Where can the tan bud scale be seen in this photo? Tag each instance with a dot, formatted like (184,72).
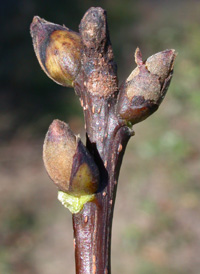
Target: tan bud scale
(68,162)
(146,86)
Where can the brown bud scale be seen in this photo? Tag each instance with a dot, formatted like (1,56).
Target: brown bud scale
(58,50)
(58,151)
(85,174)
(146,86)
(68,162)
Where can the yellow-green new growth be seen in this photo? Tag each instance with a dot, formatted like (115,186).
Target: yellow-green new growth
(73,203)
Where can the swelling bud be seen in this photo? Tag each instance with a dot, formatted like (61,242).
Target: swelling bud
(68,162)
(58,50)
(145,88)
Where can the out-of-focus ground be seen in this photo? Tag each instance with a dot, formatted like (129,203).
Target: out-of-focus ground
(157,216)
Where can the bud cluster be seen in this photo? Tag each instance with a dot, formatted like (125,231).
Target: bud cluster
(86,62)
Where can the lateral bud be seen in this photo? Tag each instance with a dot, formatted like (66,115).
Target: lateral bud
(145,88)
(58,50)
(68,162)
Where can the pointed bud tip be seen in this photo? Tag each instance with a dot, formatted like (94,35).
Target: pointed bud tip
(36,26)
(57,126)
(138,57)
(161,63)
(37,20)
(59,129)
(168,54)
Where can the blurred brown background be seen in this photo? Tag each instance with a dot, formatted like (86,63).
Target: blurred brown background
(157,216)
